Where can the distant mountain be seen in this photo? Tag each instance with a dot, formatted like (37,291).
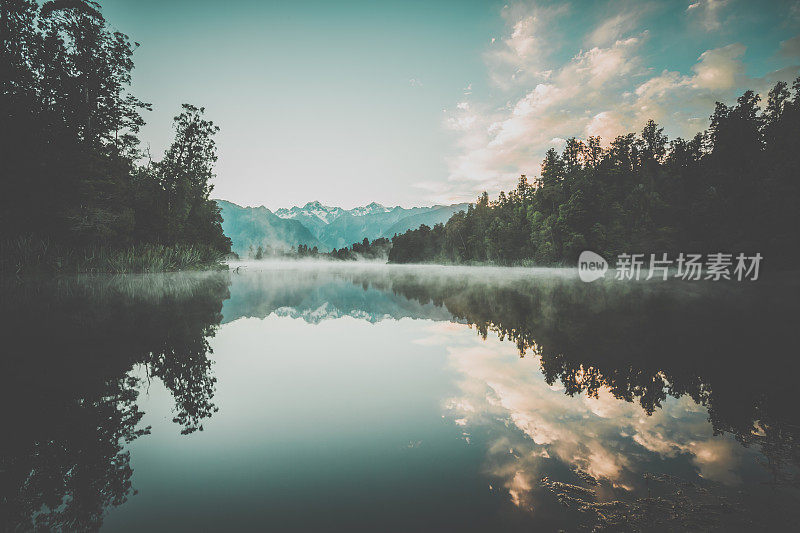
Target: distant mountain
(435,215)
(379,221)
(310,211)
(325,227)
(258,226)
(370,209)
(326,214)
(347,229)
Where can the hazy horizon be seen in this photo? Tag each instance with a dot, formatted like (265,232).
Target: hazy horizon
(303,204)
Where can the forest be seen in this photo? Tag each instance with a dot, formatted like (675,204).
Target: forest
(79,192)
(377,249)
(732,188)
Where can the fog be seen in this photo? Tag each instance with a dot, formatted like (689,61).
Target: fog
(383,268)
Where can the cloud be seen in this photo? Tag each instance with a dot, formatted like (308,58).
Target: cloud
(794,12)
(790,48)
(606,125)
(542,92)
(618,25)
(522,54)
(708,12)
(720,69)
(495,145)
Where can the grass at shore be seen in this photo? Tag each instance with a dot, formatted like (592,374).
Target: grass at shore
(27,256)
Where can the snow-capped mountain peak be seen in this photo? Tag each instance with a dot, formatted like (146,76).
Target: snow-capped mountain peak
(316,209)
(316,204)
(316,224)
(374,207)
(328,214)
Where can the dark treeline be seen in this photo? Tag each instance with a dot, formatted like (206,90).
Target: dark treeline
(71,159)
(366,249)
(733,188)
(376,249)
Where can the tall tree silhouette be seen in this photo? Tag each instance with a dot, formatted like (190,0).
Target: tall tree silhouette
(732,188)
(70,151)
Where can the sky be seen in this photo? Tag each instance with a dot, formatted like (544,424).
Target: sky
(422,102)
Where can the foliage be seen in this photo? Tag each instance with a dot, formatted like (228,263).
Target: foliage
(26,256)
(376,249)
(732,188)
(366,249)
(69,141)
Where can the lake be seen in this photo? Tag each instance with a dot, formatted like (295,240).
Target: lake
(364,397)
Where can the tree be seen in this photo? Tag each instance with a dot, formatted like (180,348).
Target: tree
(185,174)
(733,187)
(69,141)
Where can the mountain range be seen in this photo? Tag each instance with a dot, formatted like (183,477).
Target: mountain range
(323,226)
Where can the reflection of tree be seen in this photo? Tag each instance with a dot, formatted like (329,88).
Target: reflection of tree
(187,375)
(181,361)
(69,399)
(68,458)
(726,346)
(680,506)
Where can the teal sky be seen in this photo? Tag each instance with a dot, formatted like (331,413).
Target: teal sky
(416,102)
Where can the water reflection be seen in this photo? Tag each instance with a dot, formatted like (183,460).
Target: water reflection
(69,399)
(601,406)
(684,354)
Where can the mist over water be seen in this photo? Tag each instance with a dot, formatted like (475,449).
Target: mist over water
(360,396)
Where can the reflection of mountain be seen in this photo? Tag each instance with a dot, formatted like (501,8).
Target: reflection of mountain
(317,296)
(69,401)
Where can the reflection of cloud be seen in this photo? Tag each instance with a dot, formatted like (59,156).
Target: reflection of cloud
(441,333)
(611,440)
(715,459)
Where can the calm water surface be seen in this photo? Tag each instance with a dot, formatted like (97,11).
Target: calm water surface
(304,397)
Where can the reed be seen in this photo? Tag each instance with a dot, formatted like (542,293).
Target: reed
(26,255)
